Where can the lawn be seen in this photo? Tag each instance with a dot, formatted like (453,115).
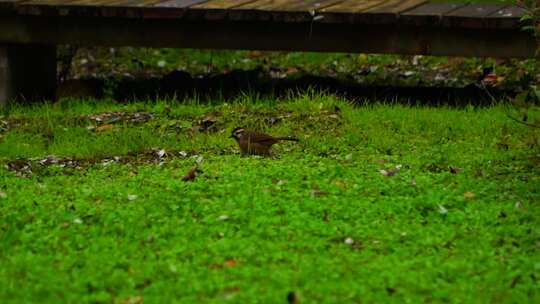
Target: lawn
(94,209)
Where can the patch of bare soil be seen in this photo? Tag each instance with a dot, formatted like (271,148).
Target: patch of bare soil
(26,167)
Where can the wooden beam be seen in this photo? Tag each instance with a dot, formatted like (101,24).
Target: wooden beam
(320,37)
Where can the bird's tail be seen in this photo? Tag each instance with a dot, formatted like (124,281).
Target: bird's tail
(287,138)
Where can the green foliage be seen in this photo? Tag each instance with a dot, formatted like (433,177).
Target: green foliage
(457,223)
(532,18)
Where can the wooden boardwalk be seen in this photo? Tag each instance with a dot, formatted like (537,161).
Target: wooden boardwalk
(371,26)
(30,30)
(401,12)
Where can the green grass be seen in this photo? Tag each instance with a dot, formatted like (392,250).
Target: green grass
(251,229)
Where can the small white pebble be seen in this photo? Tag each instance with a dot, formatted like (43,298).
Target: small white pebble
(132,197)
(349,241)
(77,221)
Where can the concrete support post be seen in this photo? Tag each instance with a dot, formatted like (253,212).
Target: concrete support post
(27,73)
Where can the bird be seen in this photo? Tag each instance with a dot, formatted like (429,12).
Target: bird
(255,143)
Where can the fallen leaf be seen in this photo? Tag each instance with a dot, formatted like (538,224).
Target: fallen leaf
(133,300)
(230,263)
(442,209)
(317,192)
(468,194)
(192,174)
(349,241)
(132,197)
(407,73)
(390,172)
(104,128)
(230,292)
(204,124)
(340,184)
(223,217)
(49,160)
(3,195)
(161,153)
(454,170)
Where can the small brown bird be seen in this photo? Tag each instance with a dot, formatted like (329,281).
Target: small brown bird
(255,143)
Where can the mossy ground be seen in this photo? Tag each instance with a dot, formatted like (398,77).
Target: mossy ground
(458,223)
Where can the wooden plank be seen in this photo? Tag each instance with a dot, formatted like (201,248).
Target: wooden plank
(280,11)
(395,6)
(471,16)
(117,3)
(8,5)
(433,9)
(506,18)
(259,4)
(353,6)
(388,12)
(179,3)
(290,5)
(108,8)
(348,11)
(429,14)
(369,11)
(221,4)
